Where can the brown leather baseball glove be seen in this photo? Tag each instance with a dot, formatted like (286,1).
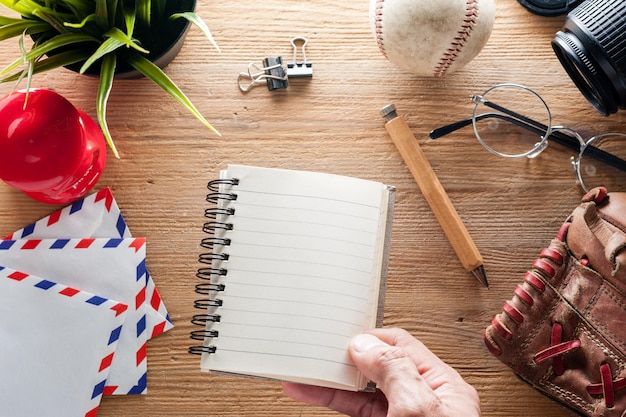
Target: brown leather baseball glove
(564,330)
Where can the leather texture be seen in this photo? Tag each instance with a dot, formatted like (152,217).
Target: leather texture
(564,330)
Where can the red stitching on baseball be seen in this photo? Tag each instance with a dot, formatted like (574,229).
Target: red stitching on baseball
(471,15)
(378,17)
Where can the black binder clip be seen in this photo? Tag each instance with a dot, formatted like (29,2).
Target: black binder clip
(273,74)
(297,69)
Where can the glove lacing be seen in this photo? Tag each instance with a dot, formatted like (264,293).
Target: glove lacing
(558,348)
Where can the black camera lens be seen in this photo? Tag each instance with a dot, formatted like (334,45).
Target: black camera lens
(592,49)
(549,7)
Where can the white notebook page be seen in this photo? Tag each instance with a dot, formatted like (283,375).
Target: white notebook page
(303,274)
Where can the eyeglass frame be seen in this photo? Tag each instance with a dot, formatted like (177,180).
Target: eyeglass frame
(573,141)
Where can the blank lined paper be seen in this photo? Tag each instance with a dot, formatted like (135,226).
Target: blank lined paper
(303,274)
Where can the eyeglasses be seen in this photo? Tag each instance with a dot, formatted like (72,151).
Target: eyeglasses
(513,121)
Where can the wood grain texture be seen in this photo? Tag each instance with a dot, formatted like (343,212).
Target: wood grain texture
(512,208)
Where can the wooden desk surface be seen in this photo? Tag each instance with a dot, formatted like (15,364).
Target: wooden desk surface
(331,123)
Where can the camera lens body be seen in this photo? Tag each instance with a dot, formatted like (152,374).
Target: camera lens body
(592,49)
(549,7)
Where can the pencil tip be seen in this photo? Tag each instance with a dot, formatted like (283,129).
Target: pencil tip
(479,273)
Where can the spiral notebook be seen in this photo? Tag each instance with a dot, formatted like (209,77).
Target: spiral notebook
(295,267)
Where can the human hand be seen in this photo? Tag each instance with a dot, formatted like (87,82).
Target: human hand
(412,381)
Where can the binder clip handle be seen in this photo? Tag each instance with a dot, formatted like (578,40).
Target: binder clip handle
(272,73)
(276,76)
(301,69)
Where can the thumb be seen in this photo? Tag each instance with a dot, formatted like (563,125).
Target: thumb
(393,371)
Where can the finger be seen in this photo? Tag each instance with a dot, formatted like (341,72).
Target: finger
(395,372)
(426,362)
(351,403)
(447,385)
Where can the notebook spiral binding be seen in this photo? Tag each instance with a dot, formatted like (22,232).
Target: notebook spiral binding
(208,288)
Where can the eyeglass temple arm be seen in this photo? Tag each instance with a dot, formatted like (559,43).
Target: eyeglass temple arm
(453,127)
(514,118)
(536,127)
(447,129)
(564,139)
(558,137)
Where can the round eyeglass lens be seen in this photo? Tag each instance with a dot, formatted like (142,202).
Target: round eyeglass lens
(512,121)
(610,174)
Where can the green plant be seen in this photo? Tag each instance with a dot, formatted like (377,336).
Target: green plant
(100,37)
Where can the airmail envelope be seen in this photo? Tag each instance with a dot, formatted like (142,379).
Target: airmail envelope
(111,268)
(97,216)
(57,345)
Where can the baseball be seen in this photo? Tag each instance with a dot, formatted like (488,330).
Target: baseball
(431,37)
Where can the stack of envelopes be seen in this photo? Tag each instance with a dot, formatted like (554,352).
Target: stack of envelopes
(77,307)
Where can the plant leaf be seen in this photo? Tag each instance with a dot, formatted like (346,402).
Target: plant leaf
(102,14)
(55,61)
(82,23)
(59,41)
(107,73)
(197,20)
(25,71)
(19,7)
(143,8)
(120,36)
(52,20)
(158,8)
(6,20)
(15,29)
(112,5)
(130,16)
(20,61)
(105,48)
(12,66)
(55,19)
(80,8)
(29,77)
(150,70)
(115,39)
